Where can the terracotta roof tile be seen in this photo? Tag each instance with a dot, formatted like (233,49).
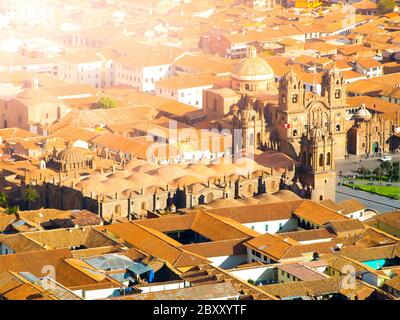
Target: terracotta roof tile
(316,213)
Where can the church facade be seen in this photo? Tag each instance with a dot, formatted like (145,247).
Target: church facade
(314,129)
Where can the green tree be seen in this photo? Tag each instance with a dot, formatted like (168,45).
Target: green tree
(30,196)
(386,167)
(385,6)
(11,210)
(3,200)
(395,174)
(378,171)
(107,103)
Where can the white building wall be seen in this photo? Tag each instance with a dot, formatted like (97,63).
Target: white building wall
(151,75)
(371,72)
(81,144)
(142,78)
(191,96)
(356,215)
(263,273)
(98,74)
(228,262)
(128,75)
(163,287)
(254,256)
(273,226)
(95,294)
(167,93)
(315,241)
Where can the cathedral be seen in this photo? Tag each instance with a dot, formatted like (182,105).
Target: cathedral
(272,114)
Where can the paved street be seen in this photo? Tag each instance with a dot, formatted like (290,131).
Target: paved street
(370,200)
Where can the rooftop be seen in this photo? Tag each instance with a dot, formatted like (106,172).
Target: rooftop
(207,292)
(301,272)
(315,213)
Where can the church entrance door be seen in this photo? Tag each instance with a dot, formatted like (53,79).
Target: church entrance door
(375,147)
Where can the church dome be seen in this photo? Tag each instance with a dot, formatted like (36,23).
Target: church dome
(362,113)
(71,155)
(252,68)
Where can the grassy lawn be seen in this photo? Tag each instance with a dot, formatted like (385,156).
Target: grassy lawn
(386,191)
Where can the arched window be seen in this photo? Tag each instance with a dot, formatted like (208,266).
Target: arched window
(294,98)
(295,133)
(321,160)
(328,159)
(321,198)
(246,86)
(338,127)
(202,199)
(337,94)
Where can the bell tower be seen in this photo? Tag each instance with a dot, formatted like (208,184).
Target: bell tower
(248,126)
(291,92)
(290,112)
(317,164)
(334,87)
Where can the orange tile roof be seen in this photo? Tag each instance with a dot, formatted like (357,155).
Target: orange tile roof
(317,214)
(374,104)
(154,243)
(259,212)
(186,81)
(368,63)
